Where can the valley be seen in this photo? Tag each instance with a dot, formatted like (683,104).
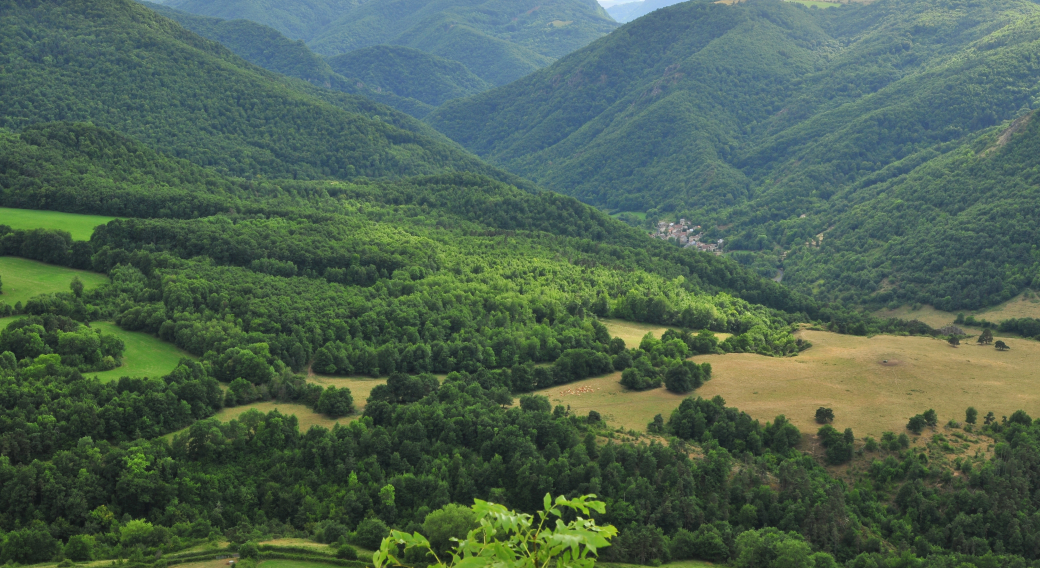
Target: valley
(314,283)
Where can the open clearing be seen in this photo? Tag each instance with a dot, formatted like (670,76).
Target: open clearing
(843,372)
(23,278)
(632,333)
(80,226)
(145,355)
(305,415)
(360,387)
(1025,305)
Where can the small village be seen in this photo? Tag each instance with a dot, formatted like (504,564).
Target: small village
(687,235)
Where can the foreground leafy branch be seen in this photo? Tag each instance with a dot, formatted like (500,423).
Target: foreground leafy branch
(505,538)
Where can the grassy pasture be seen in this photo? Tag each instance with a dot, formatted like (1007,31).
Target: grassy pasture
(24,278)
(633,333)
(845,373)
(305,415)
(1025,305)
(145,355)
(80,226)
(360,387)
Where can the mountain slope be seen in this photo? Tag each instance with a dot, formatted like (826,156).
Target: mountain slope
(85,60)
(699,105)
(958,232)
(268,48)
(410,73)
(498,40)
(629,11)
(298,19)
(767,121)
(653,114)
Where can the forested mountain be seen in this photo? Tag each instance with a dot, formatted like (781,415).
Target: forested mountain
(498,40)
(267,47)
(81,60)
(628,11)
(410,73)
(751,116)
(958,231)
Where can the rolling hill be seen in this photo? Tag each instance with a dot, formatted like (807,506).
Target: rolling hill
(765,120)
(194,99)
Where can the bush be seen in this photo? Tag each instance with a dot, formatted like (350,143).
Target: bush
(370,533)
(634,379)
(346,552)
(677,379)
(916,424)
(449,521)
(335,402)
(249,550)
(824,415)
(80,548)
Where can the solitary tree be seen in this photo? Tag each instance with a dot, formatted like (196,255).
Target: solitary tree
(824,415)
(954,341)
(971,415)
(1001,346)
(986,337)
(76,286)
(916,424)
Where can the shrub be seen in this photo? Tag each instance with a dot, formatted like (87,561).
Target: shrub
(370,533)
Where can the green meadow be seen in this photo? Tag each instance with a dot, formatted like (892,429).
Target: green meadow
(80,226)
(145,355)
(23,278)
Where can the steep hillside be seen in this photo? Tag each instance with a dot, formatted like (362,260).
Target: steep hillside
(410,73)
(959,231)
(653,115)
(258,44)
(82,60)
(498,40)
(297,19)
(764,119)
(268,48)
(629,11)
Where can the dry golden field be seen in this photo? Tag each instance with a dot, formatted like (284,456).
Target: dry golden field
(305,415)
(873,384)
(1025,305)
(360,387)
(633,333)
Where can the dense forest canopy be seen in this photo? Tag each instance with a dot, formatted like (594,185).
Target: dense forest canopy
(498,40)
(76,61)
(769,122)
(273,229)
(268,48)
